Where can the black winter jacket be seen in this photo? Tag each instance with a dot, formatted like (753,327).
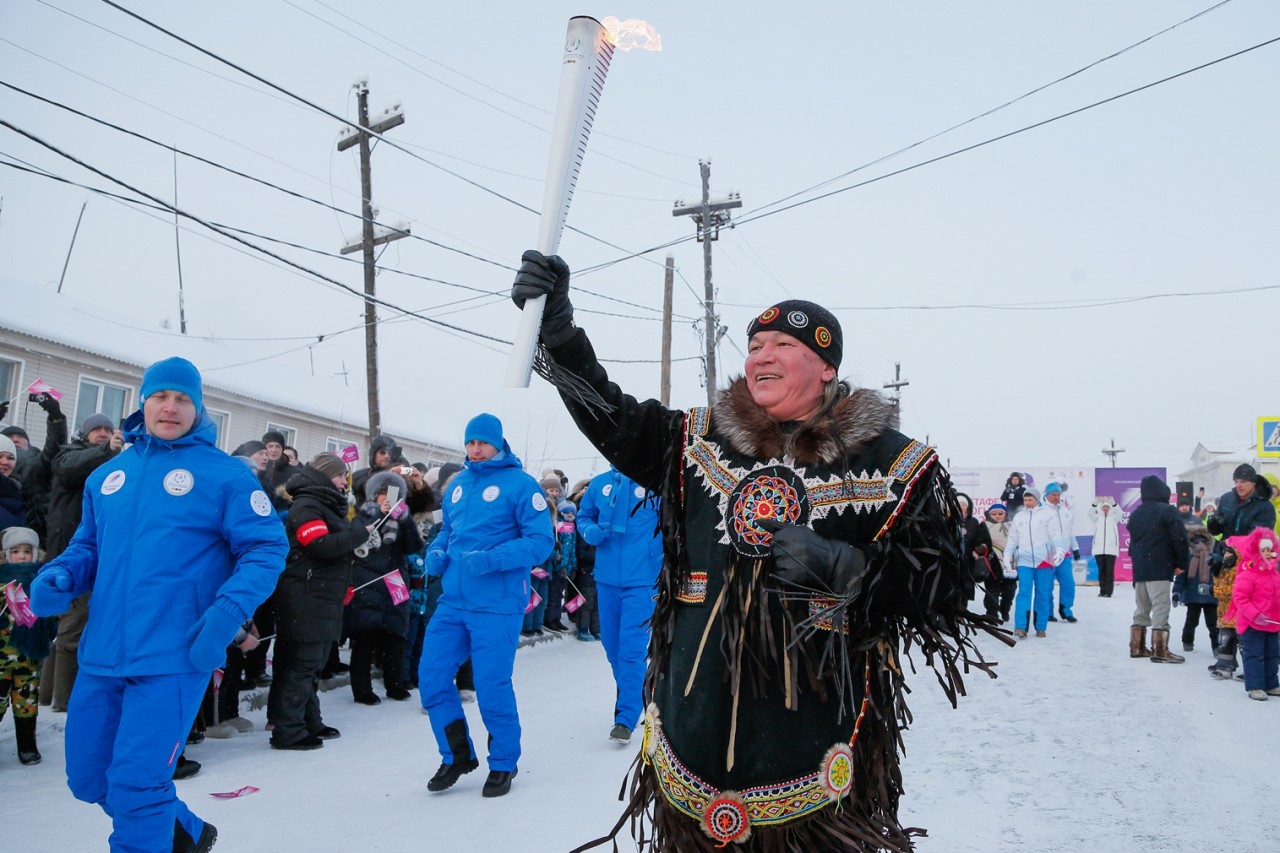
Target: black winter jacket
(1234,518)
(309,596)
(1157,536)
(35,472)
(71,467)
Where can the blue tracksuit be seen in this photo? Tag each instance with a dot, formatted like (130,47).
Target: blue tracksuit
(622,523)
(496,527)
(170,529)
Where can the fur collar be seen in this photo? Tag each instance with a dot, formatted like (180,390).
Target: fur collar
(839,433)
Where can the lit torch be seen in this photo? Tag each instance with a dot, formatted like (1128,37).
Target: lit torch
(588,48)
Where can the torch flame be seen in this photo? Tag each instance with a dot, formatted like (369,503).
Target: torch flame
(631,33)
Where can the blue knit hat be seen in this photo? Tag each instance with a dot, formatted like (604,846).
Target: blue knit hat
(1052,489)
(1000,507)
(484,427)
(174,374)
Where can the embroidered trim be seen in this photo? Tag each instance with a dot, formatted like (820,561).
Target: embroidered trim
(869,494)
(714,473)
(693,590)
(906,493)
(911,456)
(726,819)
(820,612)
(699,421)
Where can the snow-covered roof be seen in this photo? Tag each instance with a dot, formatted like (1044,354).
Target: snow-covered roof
(235,366)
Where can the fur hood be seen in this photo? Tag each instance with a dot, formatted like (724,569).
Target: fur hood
(836,433)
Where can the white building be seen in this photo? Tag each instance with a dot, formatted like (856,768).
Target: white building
(96,359)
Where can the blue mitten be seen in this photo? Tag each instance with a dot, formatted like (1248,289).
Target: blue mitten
(210,636)
(51,591)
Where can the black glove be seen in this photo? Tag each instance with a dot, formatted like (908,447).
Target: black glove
(1075,555)
(4,409)
(51,406)
(804,559)
(1216,524)
(540,275)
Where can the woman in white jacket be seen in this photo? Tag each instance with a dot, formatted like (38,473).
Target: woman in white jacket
(1106,543)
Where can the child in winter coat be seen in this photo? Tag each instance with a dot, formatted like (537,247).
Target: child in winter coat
(1224,579)
(1255,606)
(1194,588)
(22,647)
(587,616)
(377,623)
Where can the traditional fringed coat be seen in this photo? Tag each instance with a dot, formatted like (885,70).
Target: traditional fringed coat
(775,712)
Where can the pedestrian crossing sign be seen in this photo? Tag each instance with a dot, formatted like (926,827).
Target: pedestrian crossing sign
(1269,436)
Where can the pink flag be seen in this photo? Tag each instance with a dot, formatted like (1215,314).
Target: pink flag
(539,572)
(399,509)
(350,453)
(238,792)
(16,599)
(395,585)
(42,387)
(534,601)
(574,603)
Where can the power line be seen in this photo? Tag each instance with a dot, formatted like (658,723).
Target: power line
(355,126)
(757,215)
(991,111)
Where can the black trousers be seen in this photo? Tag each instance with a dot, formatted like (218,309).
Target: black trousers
(390,650)
(255,662)
(293,705)
(1106,574)
(229,688)
(1210,612)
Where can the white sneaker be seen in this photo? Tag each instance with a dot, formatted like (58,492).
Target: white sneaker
(241,724)
(1260,695)
(1274,691)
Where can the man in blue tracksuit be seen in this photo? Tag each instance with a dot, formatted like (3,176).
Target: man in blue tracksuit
(622,521)
(179,545)
(495,528)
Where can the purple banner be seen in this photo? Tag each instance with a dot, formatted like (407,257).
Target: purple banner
(1122,486)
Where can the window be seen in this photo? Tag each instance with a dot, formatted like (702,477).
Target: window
(222,420)
(337,445)
(94,396)
(10,376)
(289,432)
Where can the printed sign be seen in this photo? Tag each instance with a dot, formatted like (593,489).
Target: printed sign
(1269,436)
(16,599)
(350,454)
(395,586)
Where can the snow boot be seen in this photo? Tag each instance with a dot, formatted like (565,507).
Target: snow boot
(24,728)
(1160,652)
(448,774)
(1138,642)
(1260,695)
(1066,617)
(498,783)
(183,842)
(620,734)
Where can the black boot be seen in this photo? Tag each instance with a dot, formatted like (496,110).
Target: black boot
(448,774)
(25,730)
(498,783)
(183,843)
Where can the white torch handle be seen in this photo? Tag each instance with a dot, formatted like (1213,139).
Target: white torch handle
(587,52)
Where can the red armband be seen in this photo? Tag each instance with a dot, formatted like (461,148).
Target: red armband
(311,531)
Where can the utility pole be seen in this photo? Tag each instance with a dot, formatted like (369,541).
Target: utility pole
(897,383)
(667,286)
(65,263)
(393,116)
(709,216)
(1113,452)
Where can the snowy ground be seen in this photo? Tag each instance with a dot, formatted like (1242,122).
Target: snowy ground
(1074,747)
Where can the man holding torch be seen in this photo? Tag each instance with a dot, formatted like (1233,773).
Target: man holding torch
(807,546)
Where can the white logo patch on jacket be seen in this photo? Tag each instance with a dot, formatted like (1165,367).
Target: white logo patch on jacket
(112,484)
(490,493)
(179,481)
(539,502)
(607,489)
(457,494)
(260,502)
(639,492)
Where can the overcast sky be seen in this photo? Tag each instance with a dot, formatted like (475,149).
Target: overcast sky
(1063,243)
